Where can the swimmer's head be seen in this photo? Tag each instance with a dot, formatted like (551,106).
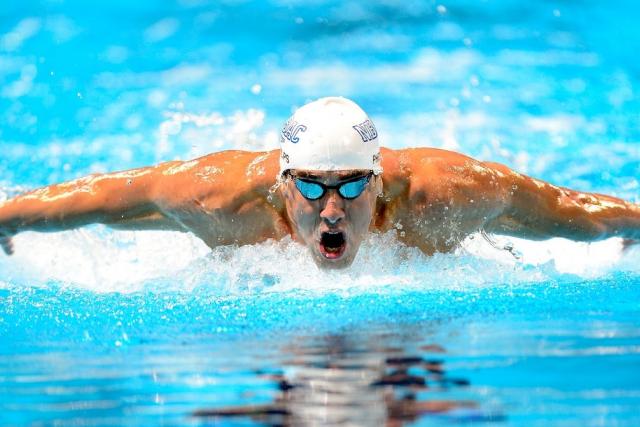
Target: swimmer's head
(330,172)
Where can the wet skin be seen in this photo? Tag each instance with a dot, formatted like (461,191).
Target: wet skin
(432,198)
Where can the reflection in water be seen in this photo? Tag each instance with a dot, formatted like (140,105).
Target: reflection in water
(335,382)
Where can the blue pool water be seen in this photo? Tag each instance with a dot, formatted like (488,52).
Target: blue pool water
(136,328)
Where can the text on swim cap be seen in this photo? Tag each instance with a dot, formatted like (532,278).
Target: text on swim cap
(290,131)
(284,156)
(366,130)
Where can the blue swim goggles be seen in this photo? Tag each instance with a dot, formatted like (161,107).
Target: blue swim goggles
(314,190)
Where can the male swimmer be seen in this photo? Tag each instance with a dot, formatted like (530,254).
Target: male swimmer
(334,185)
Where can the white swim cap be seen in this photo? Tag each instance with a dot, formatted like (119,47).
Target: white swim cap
(330,134)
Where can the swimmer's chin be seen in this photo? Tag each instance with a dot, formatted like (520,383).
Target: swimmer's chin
(325,264)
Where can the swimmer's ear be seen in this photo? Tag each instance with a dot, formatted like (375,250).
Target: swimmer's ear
(377,185)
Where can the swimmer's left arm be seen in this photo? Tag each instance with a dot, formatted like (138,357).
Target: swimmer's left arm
(535,209)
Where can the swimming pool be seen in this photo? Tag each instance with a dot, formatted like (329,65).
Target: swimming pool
(100,327)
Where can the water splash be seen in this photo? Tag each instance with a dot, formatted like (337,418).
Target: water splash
(102,260)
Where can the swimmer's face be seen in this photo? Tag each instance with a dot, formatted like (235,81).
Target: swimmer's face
(332,227)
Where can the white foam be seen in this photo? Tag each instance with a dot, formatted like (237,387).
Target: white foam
(102,260)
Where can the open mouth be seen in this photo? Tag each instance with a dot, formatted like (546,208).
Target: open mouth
(332,244)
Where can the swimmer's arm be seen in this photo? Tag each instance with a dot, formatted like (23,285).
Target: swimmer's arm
(124,200)
(537,210)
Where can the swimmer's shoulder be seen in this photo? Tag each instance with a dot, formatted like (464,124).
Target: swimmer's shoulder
(224,166)
(218,178)
(425,162)
(424,155)
(432,172)
(252,166)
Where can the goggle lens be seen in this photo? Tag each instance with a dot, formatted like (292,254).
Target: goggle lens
(352,189)
(314,190)
(310,190)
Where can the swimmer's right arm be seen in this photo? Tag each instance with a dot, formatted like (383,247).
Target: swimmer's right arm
(124,200)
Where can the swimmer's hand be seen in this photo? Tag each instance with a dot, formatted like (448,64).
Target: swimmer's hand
(628,244)
(6,243)
(6,234)
(7,230)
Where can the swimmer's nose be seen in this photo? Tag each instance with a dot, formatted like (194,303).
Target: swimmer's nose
(333,211)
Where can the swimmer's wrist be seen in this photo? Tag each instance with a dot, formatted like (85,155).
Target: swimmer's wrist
(10,223)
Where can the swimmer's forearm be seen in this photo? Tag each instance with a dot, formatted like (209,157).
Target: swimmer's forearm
(538,210)
(577,221)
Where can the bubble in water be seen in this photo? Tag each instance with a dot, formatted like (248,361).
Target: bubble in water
(256,89)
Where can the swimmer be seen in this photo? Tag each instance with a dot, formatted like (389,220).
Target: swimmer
(328,186)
